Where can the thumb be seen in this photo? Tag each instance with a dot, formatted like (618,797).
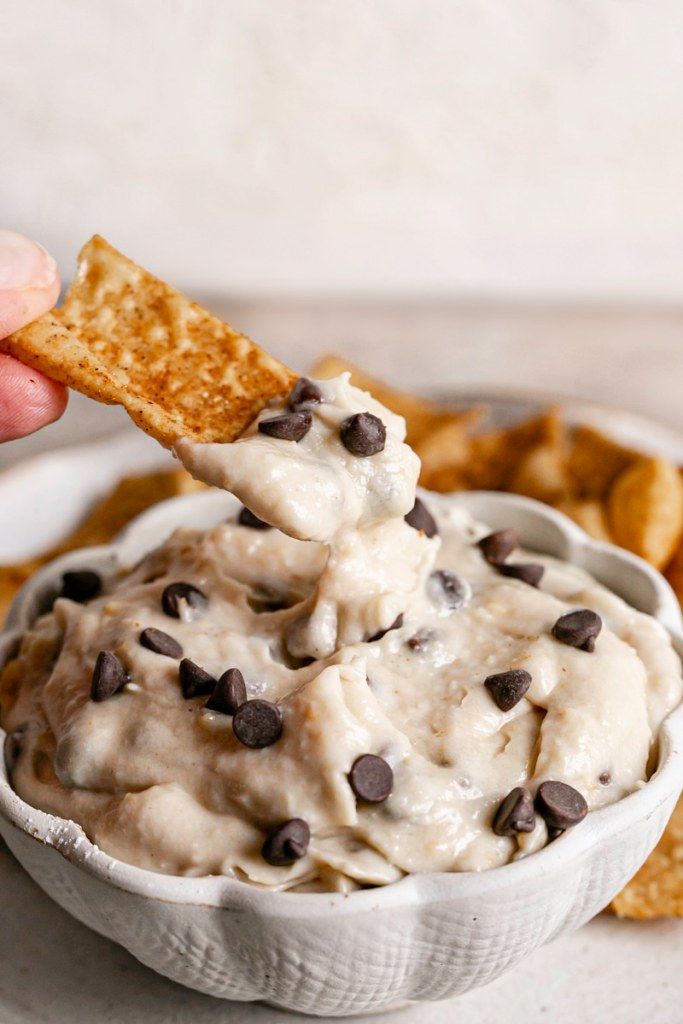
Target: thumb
(29,286)
(29,282)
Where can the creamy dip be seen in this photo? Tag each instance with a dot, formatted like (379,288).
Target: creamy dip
(405,698)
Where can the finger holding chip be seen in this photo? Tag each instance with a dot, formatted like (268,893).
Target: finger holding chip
(124,337)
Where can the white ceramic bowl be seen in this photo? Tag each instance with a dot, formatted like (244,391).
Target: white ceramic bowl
(426,937)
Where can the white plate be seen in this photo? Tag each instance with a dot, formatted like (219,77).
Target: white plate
(52,969)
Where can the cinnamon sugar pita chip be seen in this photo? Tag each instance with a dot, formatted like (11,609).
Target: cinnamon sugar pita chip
(447,449)
(674,573)
(590,514)
(645,509)
(12,579)
(657,889)
(124,337)
(497,454)
(596,461)
(542,473)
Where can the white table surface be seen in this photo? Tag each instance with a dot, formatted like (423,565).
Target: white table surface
(53,970)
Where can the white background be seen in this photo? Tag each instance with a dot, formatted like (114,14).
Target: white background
(422,146)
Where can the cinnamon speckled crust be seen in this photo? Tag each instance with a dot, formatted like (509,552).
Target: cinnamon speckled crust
(125,337)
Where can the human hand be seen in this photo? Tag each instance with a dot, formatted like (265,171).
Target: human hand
(29,286)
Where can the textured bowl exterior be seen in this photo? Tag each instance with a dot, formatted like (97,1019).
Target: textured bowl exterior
(426,937)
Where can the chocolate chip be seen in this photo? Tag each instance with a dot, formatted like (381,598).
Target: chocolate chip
(81,585)
(230,692)
(363,434)
(561,805)
(304,393)
(290,426)
(161,643)
(194,680)
(287,843)
(420,518)
(108,678)
(498,546)
(175,594)
(247,518)
(448,590)
(605,779)
(396,624)
(13,746)
(578,629)
(515,814)
(508,688)
(527,572)
(371,778)
(257,723)
(420,640)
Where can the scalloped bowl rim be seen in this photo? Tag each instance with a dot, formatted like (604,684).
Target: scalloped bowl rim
(69,839)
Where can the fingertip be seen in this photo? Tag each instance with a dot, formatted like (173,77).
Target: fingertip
(18,308)
(24,263)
